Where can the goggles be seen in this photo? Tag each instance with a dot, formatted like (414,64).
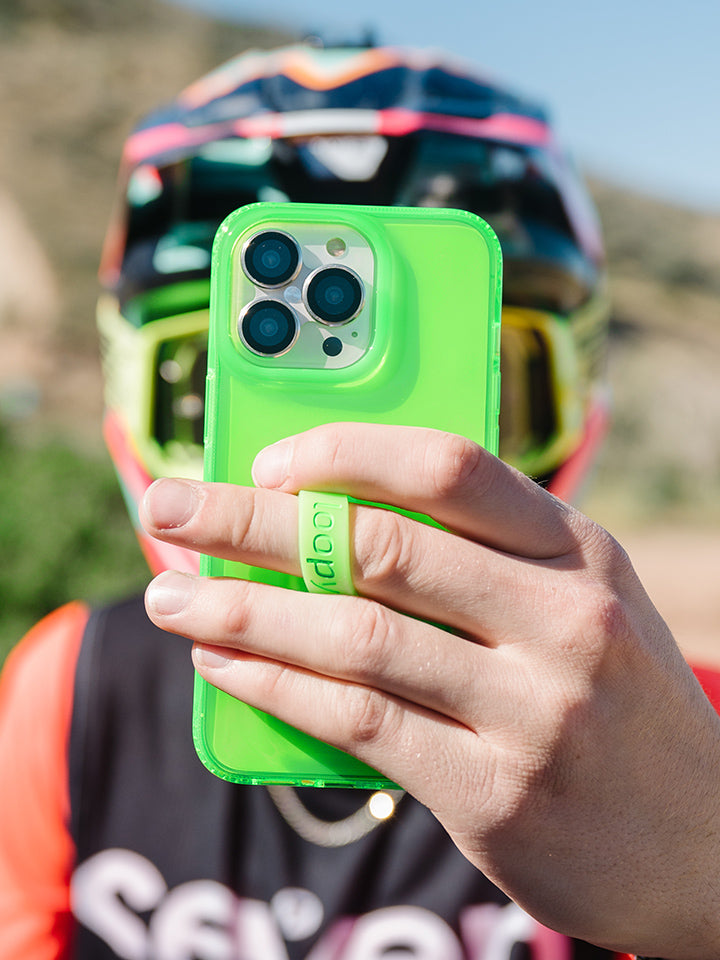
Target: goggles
(549,365)
(155,386)
(155,374)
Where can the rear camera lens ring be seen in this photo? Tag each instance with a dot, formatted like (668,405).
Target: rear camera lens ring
(268,328)
(271,258)
(334,295)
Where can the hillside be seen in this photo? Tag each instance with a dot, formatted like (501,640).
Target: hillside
(75,75)
(663,456)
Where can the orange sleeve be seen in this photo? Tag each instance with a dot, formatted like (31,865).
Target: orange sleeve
(709,678)
(36,849)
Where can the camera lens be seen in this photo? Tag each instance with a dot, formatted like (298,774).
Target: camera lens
(271,258)
(334,295)
(332,346)
(268,327)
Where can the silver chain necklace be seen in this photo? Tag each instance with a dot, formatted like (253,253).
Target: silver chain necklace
(378,808)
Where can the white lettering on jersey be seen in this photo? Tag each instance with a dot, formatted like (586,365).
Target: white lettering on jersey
(512,926)
(489,932)
(193,920)
(402,932)
(107,890)
(299,913)
(205,920)
(256,935)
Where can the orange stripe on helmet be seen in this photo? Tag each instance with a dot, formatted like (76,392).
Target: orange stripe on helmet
(295,64)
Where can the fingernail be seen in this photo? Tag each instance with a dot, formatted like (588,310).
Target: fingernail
(271,465)
(169,593)
(209,657)
(170,503)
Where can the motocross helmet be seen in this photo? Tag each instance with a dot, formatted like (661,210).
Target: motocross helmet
(378,125)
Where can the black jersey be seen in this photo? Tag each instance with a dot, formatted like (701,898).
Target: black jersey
(175,864)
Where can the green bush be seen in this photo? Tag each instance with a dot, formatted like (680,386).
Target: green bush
(64,534)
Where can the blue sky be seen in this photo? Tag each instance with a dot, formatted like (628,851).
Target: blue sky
(633,85)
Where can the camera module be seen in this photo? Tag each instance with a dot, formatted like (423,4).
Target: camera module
(334,295)
(271,258)
(268,327)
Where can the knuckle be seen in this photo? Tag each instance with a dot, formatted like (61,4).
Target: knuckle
(453,463)
(245,517)
(601,618)
(272,680)
(328,446)
(368,715)
(601,550)
(384,550)
(609,616)
(367,642)
(236,612)
(616,560)
(601,613)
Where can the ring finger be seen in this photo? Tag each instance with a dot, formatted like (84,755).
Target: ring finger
(337,637)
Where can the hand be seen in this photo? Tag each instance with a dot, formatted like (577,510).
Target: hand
(556,731)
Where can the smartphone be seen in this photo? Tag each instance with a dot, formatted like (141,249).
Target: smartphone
(327,312)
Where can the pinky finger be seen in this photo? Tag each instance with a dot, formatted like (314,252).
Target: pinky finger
(405,742)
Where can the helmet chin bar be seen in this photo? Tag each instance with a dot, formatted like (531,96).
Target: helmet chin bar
(167,556)
(134,481)
(568,480)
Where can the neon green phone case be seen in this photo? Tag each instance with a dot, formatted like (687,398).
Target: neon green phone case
(423,350)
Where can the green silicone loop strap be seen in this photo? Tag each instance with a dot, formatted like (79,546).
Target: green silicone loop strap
(324,542)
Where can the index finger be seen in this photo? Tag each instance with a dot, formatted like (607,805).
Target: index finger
(445,476)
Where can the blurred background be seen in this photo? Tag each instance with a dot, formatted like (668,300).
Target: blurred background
(633,91)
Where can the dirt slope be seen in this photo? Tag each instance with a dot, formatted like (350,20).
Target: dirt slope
(680,568)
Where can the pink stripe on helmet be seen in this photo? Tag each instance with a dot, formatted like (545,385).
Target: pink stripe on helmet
(509,127)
